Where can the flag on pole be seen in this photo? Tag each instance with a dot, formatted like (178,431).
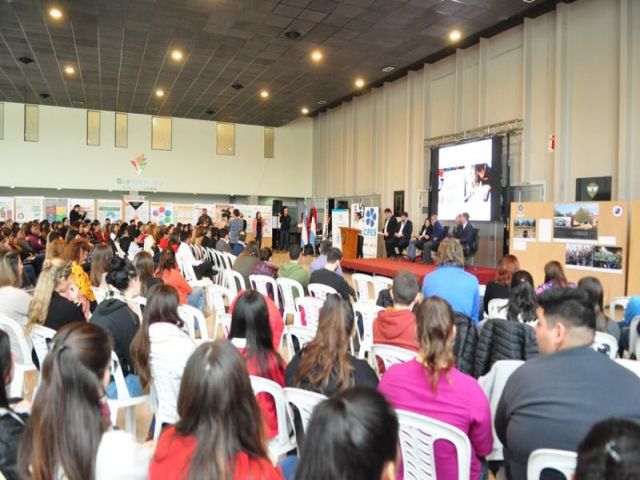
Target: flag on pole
(304,237)
(312,232)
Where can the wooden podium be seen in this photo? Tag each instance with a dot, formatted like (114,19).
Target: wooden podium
(349,242)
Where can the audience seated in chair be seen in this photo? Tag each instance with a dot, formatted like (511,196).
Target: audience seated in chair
(223,244)
(145,270)
(101,257)
(328,276)
(594,288)
(499,287)
(553,400)
(14,301)
(239,246)
(276,322)
(554,277)
(431,385)
(170,274)
(321,261)
(264,266)
(293,270)
(245,262)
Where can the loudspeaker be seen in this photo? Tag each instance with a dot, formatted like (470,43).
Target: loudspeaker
(276,207)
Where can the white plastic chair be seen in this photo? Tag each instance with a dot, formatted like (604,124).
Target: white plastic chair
(493,384)
(124,400)
(361,284)
(617,302)
(606,344)
(190,316)
(220,298)
(417,437)
(304,401)
(319,290)
(633,365)
(165,386)
(634,339)
(228,259)
(40,338)
(311,307)
(561,460)
(285,440)
(260,283)
(497,308)
(368,313)
(381,283)
(303,334)
(22,350)
(390,355)
(234,281)
(290,290)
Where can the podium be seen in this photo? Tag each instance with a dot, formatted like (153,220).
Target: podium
(349,242)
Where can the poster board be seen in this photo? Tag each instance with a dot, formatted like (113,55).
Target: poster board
(55,209)
(219,208)
(86,204)
(611,240)
(183,213)
(633,274)
(339,218)
(111,209)
(140,214)
(7,208)
(370,232)
(249,212)
(161,213)
(29,208)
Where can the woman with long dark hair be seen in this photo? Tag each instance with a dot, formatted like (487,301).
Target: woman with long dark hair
(554,277)
(143,263)
(170,274)
(69,433)
(594,288)
(251,333)
(431,385)
(325,364)
(219,434)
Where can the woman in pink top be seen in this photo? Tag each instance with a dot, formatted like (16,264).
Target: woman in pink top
(431,385)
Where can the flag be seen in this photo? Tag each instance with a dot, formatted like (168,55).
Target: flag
(312,232)
(304,237)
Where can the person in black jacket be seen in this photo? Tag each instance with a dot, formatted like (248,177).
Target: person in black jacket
(388,232)
(11,421)
(77,214)
(120,316)
(285,227)
(328,275)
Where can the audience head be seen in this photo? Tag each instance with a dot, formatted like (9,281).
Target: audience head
(204,211)
(450,253)
(236,212)
(258,216)
(265,254)
(325,246)
(10,269)
(224,233)
(66,422)
(610,451)
(554,273)
(122,276)
(506,268)
(242,236)
(334,255)
(72,234)
(405,290)
(566,319)
(521,276)
(594,289)
(56,249)
(434,218)
(352,436)
(167,261)
(294,252)
(184,236)
(53,236)
(436,332)
(250,250)
(162,306)
(229,422)
(329,350)
(427,222)
(54,277)
(523,303)
(7,367)
(100,261)
(77,251)
(285,211)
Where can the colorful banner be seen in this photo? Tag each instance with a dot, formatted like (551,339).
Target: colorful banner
(183,213)
(6,208)
(111,209)
(370,232)
(162,213)
(339,218)
(29,208)
(87,205)
(55,209)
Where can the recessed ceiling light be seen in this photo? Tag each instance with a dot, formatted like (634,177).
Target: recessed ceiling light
(264,94)
(322,102)
(55,13)
(237,86)
(159,93)
(176,54)
(25,60)
(316,55)
(359,83)
(292,34)
(304,110)
(69,70)
(388,69)
(455,35)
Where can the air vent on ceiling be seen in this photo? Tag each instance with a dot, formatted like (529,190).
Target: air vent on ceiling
(209,112)
(237,86)
(292,34)
(25,60)
(322,102)
(388,69)
(44,96)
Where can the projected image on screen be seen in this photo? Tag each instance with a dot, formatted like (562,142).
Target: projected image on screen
(463,180)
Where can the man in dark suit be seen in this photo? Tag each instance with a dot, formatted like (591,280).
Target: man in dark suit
(457,227)
(389,230)
(467,235)
(403,235)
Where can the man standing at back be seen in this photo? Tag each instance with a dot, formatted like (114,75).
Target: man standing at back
(204,219)
(389,231)
(553,400)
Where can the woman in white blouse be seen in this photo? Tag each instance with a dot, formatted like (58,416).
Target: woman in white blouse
(14,302)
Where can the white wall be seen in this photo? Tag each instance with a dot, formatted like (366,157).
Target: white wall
(61,159)
(573,73)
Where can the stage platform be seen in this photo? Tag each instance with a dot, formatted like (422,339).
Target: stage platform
(388,268)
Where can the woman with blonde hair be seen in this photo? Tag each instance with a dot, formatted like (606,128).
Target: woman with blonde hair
(55,298)
(14,302)
(431,385)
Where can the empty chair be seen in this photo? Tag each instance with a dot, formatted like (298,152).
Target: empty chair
(417,437)
(290,290)
(634,339)
(368,313)
(220,298)
(606,344)
(193,317)
(261,283)
(40,338)
(234,281)
(633,365)
(390,355)
(21,349)
(381,283)
(319,290)
(561,460)
(309,307)
(303,334)
(361,283)
(304,401)
(124,400)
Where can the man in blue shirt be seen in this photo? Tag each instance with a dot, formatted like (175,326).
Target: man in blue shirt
(450,282)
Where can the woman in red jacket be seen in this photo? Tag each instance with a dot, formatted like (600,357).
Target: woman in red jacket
(222,437)
(170,274)
(251,334)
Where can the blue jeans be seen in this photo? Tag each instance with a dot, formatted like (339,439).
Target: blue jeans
(196,298)
(133,385)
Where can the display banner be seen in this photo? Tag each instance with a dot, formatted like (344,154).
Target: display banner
(339,218)
(111,209)
(6,208)
(29,208)
(87,205)
(370,232)
(162,213)
(55,209)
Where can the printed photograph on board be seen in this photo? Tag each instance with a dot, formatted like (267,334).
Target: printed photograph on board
(524,228)
(593,257)
(576,221)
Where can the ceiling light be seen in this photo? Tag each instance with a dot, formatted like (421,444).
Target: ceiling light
(69,70)
(304,110)
(159,93)
(455,35)
(55,13)
(322,102)
(264,94)
(176,54)
(388,69)
(316,55)
(359,83)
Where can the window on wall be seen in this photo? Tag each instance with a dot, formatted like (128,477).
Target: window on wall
(226,139)
(93,128)
(269,142)
(161,133)
(1,121)
(122,130)
(31,121)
